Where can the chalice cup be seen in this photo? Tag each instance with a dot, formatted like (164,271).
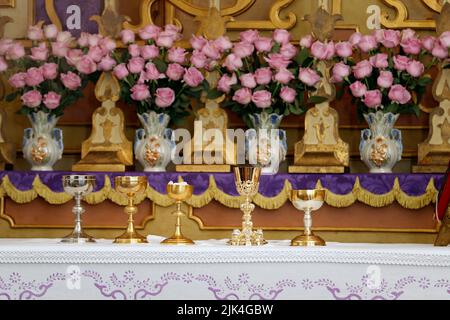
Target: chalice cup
(131,187)
(179,192)
(308,201)
(78,186)
(247,185)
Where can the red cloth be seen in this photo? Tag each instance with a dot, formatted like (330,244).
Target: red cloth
(444,196)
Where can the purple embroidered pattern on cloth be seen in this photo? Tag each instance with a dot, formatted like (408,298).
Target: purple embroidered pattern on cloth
(128,286)
(270,186)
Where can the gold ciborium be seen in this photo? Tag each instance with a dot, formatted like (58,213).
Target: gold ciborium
(308,201)
(247,185)
(131,187)
(179,192)
(78,186)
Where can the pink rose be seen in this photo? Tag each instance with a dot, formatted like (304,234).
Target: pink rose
(223,43)
(52,100)
(121,71)
(373,98)
(165,39)
(50,31)
(5,45)
(428,43)
(93,39)
(344,49)
(399,94)
(197,42)
(388,38)
(60,49)
(152,72)
(386,79)
(367,43)
(308,77)
(380,61)
(444,39)
(134,50)
(358,89)
(39,53)
(193,77)
(95,53)
(319,50)
(15,52)
(362,69)
(284,76)
(439,51)
(136,65)
(401,63)
(83,40)
(225,83)
(243,49)
(249,36)
(262,99)
(243,96)
(199,60)
(150,32)
(211,51)
(107,64)
(73,56)
(408,34)
(263,44)
(3,65)
(164,97)
(175,72)
(288,51)
(277,61)
(149,52)
(35,33)
(306,41)
(64,37)
(86,65)
(177,55)
(415,68)
(127,36)
(71,80)
(412,46)
(355,38)
(173,31)
(248,80)
(340,71)
(34,77)
(18,80)
(50,71)
(263,76)
(108,45)
(281,36)
(32,99)
(140,92)
(288,94)
(233,62)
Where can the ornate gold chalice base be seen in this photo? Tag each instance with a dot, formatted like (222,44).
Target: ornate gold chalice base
(131,187)
(180,192)
(247,185)
(308,201)
(78,186)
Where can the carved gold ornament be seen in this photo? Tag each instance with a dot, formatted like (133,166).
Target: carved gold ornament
(39,152)
(378,154)
(110,22)
(152,154)
(323,23)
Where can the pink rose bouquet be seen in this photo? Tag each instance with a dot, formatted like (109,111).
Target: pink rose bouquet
(52,74)
(391,75)
(159,76)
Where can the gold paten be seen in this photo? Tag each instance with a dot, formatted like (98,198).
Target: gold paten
(308,201)
(131,187)
(179,193)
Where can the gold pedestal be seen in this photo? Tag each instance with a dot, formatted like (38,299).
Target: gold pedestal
(313,169)
(225,168)
(308,241)
(100,162)
(430,169)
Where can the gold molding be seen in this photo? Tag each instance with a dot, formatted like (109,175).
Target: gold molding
(401,19)
(7,3)
(336,9)
(145,14)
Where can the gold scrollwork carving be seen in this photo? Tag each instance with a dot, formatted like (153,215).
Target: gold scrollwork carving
(146,16)
(51,12)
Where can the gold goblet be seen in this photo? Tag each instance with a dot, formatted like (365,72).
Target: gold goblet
(308,201)
(179,192)
(247,185)
(131,187)
(78,186)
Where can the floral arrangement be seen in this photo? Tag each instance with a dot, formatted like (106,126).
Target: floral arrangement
(390,75)
(158,76)
(53,73)
(267,74)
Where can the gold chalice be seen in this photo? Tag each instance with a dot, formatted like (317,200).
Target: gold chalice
(308,201)
(78,186)
(247,185)
(179,192)
(131,187)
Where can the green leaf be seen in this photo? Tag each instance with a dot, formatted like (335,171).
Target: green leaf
(160,65)
(214,94)
(302,56)
(416,110)
(12,96)
(317,100)
(425,81)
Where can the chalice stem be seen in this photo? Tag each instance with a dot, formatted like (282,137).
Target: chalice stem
(78,210)
(179,213)
(307,220)
(130,210)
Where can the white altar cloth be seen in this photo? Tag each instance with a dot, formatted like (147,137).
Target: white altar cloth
(46,269)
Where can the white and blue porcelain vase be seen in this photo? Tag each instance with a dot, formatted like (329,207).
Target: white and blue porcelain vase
(42,144)
(153,145)
(266,143)
(381,146)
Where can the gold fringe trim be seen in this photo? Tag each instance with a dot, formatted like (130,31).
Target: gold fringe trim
(213,193)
